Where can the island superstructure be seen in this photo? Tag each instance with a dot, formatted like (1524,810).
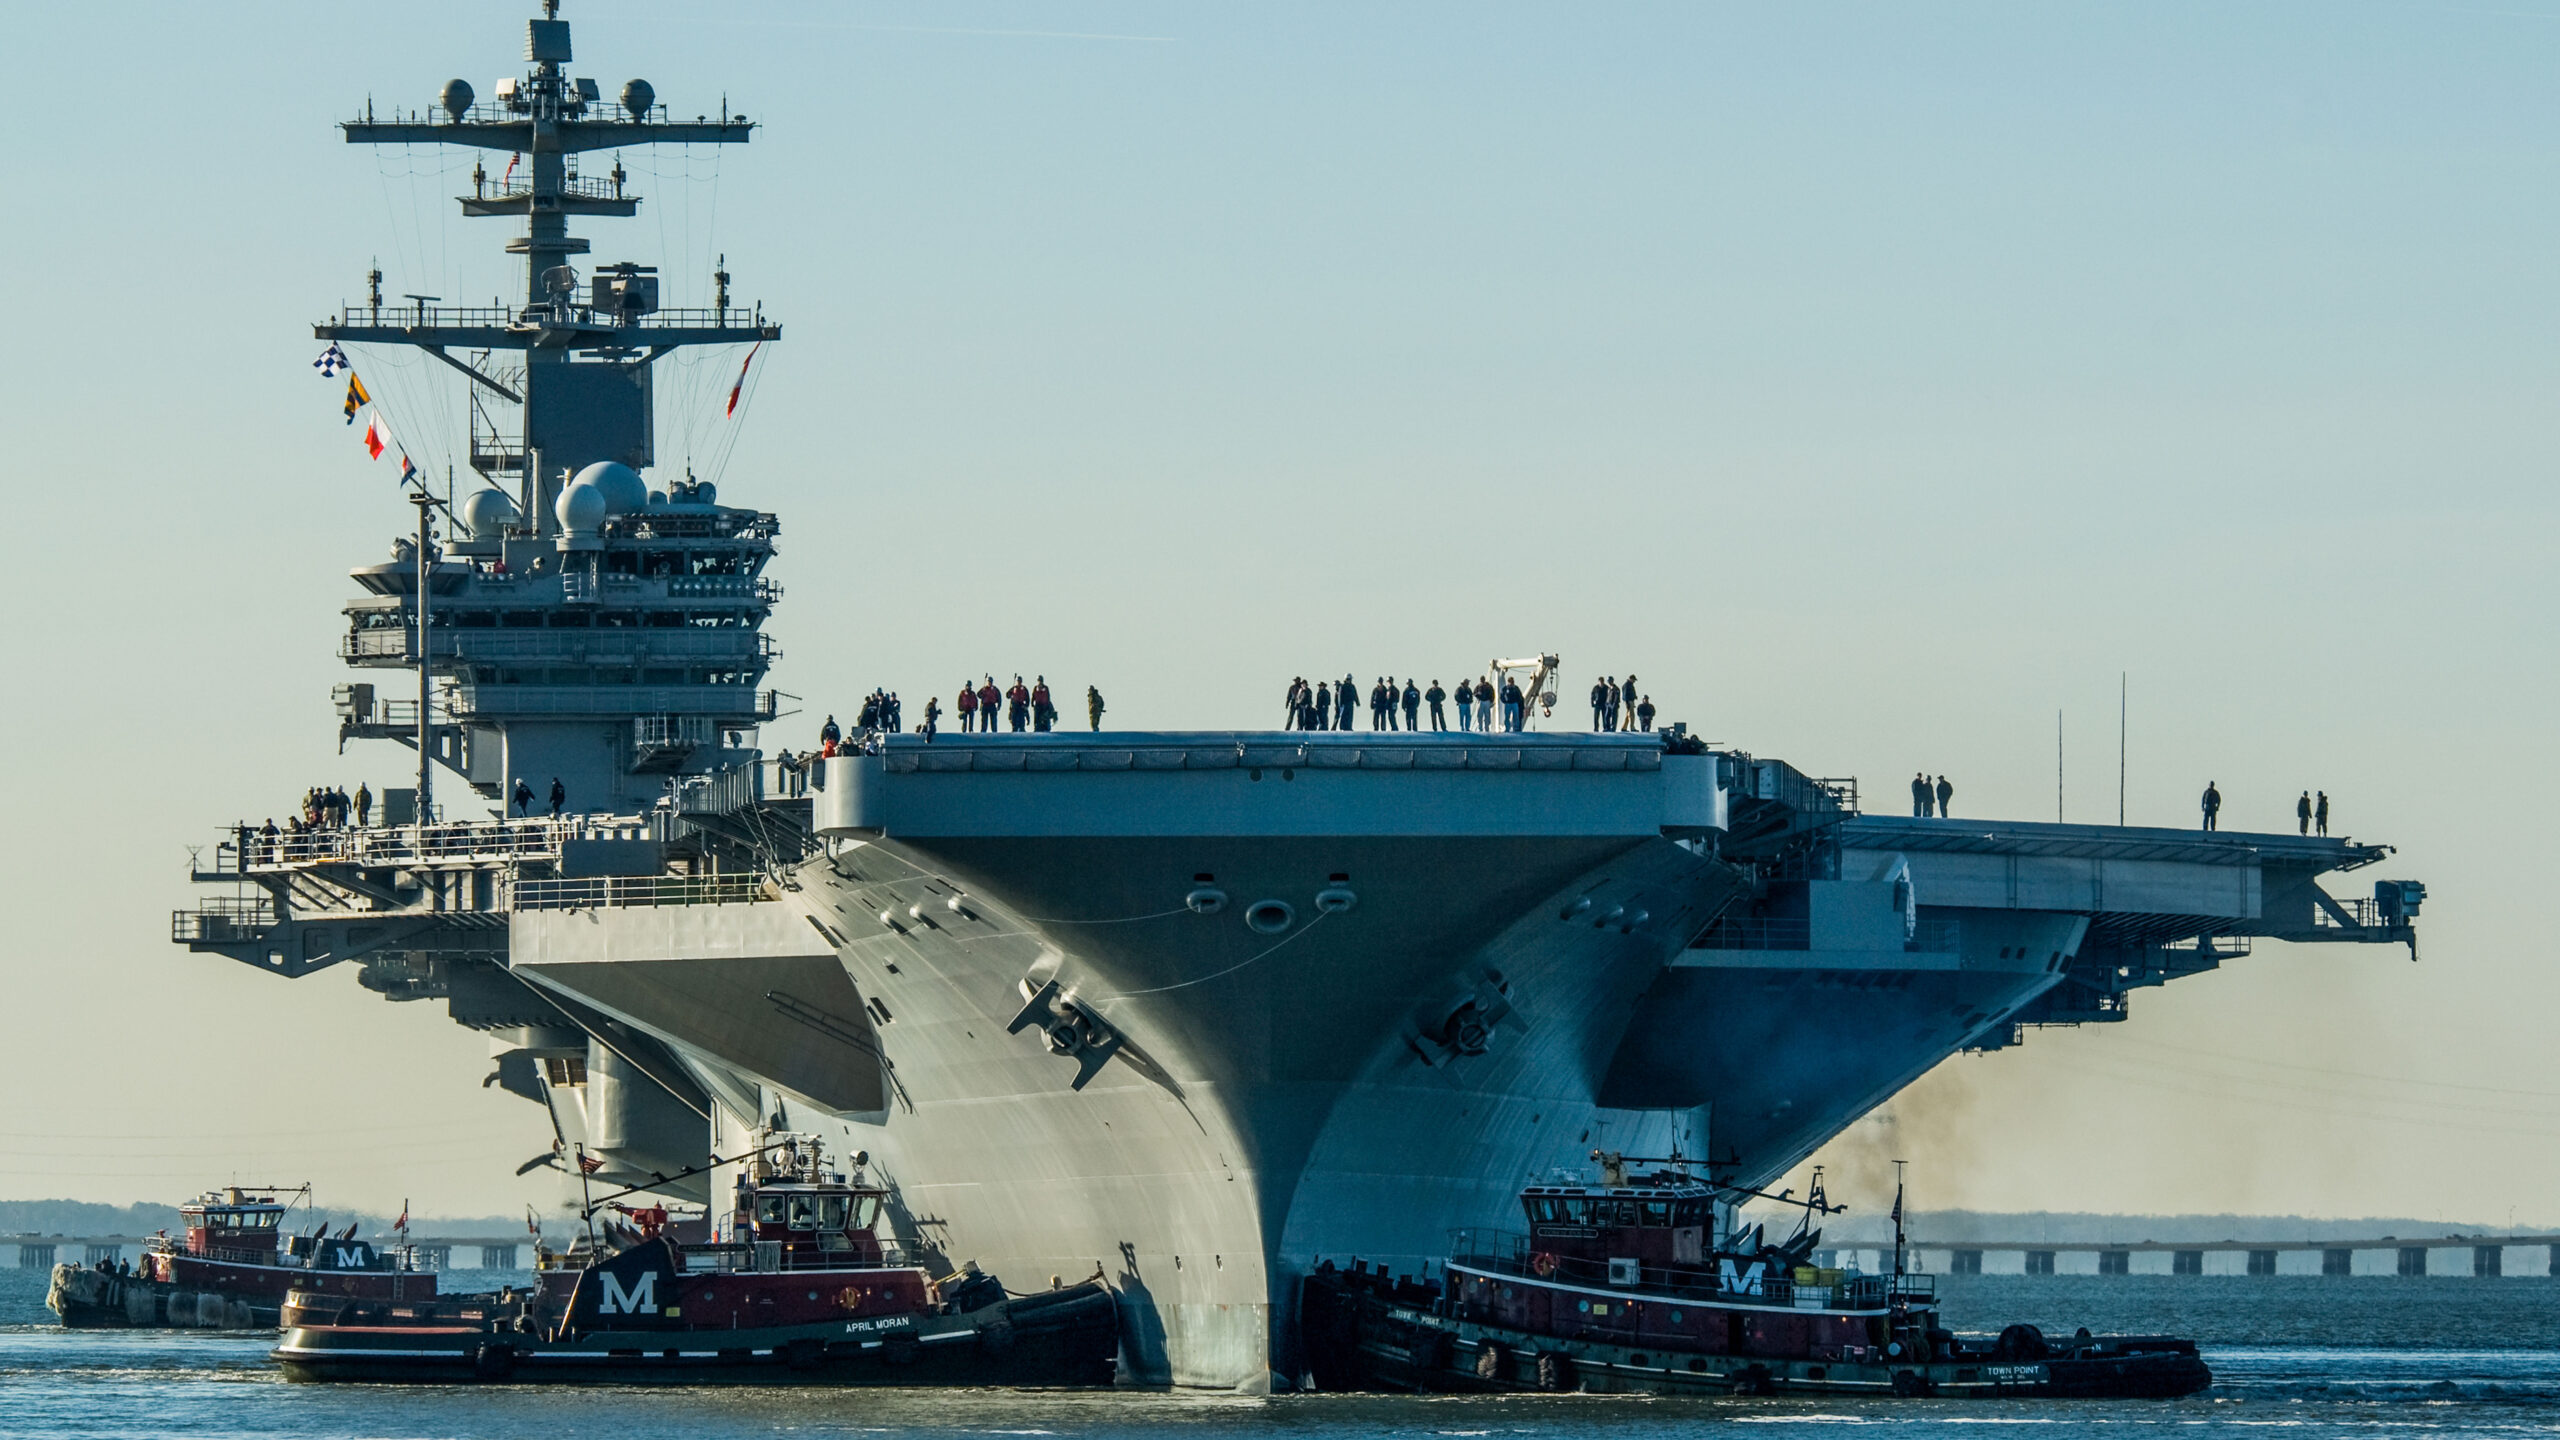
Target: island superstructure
(1199,1008)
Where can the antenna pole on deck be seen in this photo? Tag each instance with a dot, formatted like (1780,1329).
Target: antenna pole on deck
(426,666)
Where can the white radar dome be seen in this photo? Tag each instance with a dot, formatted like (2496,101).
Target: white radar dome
(582,511)
(486,512)
(620,485)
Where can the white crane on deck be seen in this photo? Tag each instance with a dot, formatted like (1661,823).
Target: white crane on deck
(1537,677)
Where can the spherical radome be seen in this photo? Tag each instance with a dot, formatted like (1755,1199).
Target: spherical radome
(484,512)
(582,508)
(620,485)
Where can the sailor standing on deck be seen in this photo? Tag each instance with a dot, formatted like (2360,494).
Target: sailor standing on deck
(2320,813)
(1345,697)
(559,797)
(364,808)
(1434,697)
(2212,807)
(523,797)
(967,705)
(2302,812)
(1919,795)
(1093,706)
(1484,703)
(1412,705)
(989,697)
(1599,702)
(1946,793)
(1466,704)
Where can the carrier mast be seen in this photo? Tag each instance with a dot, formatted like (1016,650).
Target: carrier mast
(586,382)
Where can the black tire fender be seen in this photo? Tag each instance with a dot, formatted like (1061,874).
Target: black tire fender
(1555,1371)
(491,1361)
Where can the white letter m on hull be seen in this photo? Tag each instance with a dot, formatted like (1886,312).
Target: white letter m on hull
(640,1299)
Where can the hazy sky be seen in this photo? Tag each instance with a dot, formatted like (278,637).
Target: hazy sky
(1876,380)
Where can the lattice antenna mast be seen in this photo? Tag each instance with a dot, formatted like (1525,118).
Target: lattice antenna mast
(587,350)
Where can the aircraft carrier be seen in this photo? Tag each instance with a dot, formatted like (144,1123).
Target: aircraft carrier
(1189,1008)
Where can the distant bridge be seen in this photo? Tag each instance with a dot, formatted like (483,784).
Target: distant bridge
(2187,1257)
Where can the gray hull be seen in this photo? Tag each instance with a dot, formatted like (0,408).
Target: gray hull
(1173,1011)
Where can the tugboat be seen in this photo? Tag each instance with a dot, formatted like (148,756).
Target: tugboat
(232,1270)
(1620,1287)
(800,1292)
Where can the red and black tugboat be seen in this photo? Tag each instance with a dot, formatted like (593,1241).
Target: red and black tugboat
(797,1291)
(1623,1286)
(232,1269)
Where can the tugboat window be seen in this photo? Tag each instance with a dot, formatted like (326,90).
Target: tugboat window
(865,1210)
(804,1212)
(1657,1212)
(831,1214)
(769,1209)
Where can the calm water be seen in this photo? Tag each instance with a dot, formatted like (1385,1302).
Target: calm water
(2365,1357)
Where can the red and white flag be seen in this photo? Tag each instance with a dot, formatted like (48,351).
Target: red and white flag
(377,436)
(742,376)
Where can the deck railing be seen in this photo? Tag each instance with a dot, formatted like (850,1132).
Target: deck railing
(615,892)
(1931,935)
(1509,1252)
(223,918)
(470,842)
(766,1258)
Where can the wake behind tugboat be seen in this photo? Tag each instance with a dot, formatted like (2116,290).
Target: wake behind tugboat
(1621,1287)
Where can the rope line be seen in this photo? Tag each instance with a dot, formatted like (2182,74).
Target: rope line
(1122,920)
(1221,974)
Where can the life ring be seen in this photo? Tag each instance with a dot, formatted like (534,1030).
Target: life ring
(1544,1263)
